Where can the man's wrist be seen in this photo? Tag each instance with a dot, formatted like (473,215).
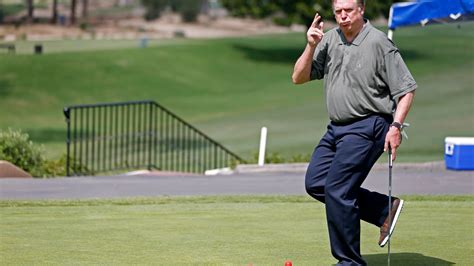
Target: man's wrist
(397,125)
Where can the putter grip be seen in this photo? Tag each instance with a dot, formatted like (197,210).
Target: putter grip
(390,158)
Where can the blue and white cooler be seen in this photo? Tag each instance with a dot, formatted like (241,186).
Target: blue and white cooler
(459,153)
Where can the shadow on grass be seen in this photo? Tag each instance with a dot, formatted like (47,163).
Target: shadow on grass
(290,55)
(47,135)
(412,55)
(134,140)
(404,259)
(271,55)
(5,88)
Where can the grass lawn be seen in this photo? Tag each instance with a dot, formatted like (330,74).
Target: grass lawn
(223,230)
(229,88)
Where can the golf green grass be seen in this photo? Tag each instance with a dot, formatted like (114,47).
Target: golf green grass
(230,88)
(222,230)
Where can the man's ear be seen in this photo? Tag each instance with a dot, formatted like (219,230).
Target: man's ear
(361,10)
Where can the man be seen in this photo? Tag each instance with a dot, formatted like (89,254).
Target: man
(369,91)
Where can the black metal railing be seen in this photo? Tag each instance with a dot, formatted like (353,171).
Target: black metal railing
(139,134)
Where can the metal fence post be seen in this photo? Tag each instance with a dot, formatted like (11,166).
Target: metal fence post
(68,138)
(150,127)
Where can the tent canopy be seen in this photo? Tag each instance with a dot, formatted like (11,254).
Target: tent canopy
(424,11)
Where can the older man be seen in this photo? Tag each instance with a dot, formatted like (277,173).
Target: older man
(369,91)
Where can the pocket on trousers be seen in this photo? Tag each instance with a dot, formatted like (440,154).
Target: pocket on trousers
(381,126)
(353,150)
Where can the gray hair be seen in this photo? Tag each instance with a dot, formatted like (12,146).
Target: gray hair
(359,2)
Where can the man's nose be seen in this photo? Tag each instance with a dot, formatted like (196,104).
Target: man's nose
(343,14)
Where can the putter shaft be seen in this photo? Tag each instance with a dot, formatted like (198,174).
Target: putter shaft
(390,165)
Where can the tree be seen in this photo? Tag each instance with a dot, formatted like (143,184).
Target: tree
(30,7)
(2,13)
(287,12)
(188,9)
(85,8)
(154,8)
(73,11)
(54,15)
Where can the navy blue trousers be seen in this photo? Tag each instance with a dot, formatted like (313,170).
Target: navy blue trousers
(339,165)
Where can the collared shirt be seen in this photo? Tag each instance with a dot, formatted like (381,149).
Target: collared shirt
(361,78)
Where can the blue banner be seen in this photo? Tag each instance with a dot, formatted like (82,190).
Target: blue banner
(424,11)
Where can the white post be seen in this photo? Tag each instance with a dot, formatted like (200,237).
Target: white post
(390,31)
(390,34)
(263,142)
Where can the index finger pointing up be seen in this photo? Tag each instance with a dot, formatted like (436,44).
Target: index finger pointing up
(316,20)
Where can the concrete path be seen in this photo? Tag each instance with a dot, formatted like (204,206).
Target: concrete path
(420,179)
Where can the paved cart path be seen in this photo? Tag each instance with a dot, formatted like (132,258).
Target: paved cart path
(411,179)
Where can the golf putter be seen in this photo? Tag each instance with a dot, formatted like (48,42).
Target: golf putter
(390,165)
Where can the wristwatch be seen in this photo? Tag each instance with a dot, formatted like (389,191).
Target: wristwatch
(397,125)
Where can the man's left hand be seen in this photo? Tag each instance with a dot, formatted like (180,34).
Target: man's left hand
(393,139)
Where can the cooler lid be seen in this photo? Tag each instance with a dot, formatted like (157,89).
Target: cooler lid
(460,140)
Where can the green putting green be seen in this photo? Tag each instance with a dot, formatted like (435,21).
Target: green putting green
(222,230)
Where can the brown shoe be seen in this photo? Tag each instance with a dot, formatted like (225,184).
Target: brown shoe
(397,205)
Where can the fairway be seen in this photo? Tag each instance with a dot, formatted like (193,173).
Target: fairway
(230,88)
(224,230)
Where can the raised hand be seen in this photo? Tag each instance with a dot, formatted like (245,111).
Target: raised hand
(315,32)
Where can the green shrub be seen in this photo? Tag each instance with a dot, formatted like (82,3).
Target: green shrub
(233,163)
(300,158)
(16,148)
(276,157)
(270,157)
(188,9)
(84,26)
(154,8)
(54,167)
(75,166)
(58,167)
(282,21)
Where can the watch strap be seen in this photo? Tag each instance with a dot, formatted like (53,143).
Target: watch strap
(401,127)
(397,125)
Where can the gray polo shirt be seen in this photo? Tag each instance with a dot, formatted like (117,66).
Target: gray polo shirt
(361,78)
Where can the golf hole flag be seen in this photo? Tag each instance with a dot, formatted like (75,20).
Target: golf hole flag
(427,11)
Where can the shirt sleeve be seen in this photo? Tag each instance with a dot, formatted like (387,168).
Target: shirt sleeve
(398,77)
(319,60)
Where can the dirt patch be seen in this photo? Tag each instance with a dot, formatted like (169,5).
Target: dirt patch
(169,26)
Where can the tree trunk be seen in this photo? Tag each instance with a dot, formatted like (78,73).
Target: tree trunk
(85,8)
(30,6)
(73,12)
(54,16)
